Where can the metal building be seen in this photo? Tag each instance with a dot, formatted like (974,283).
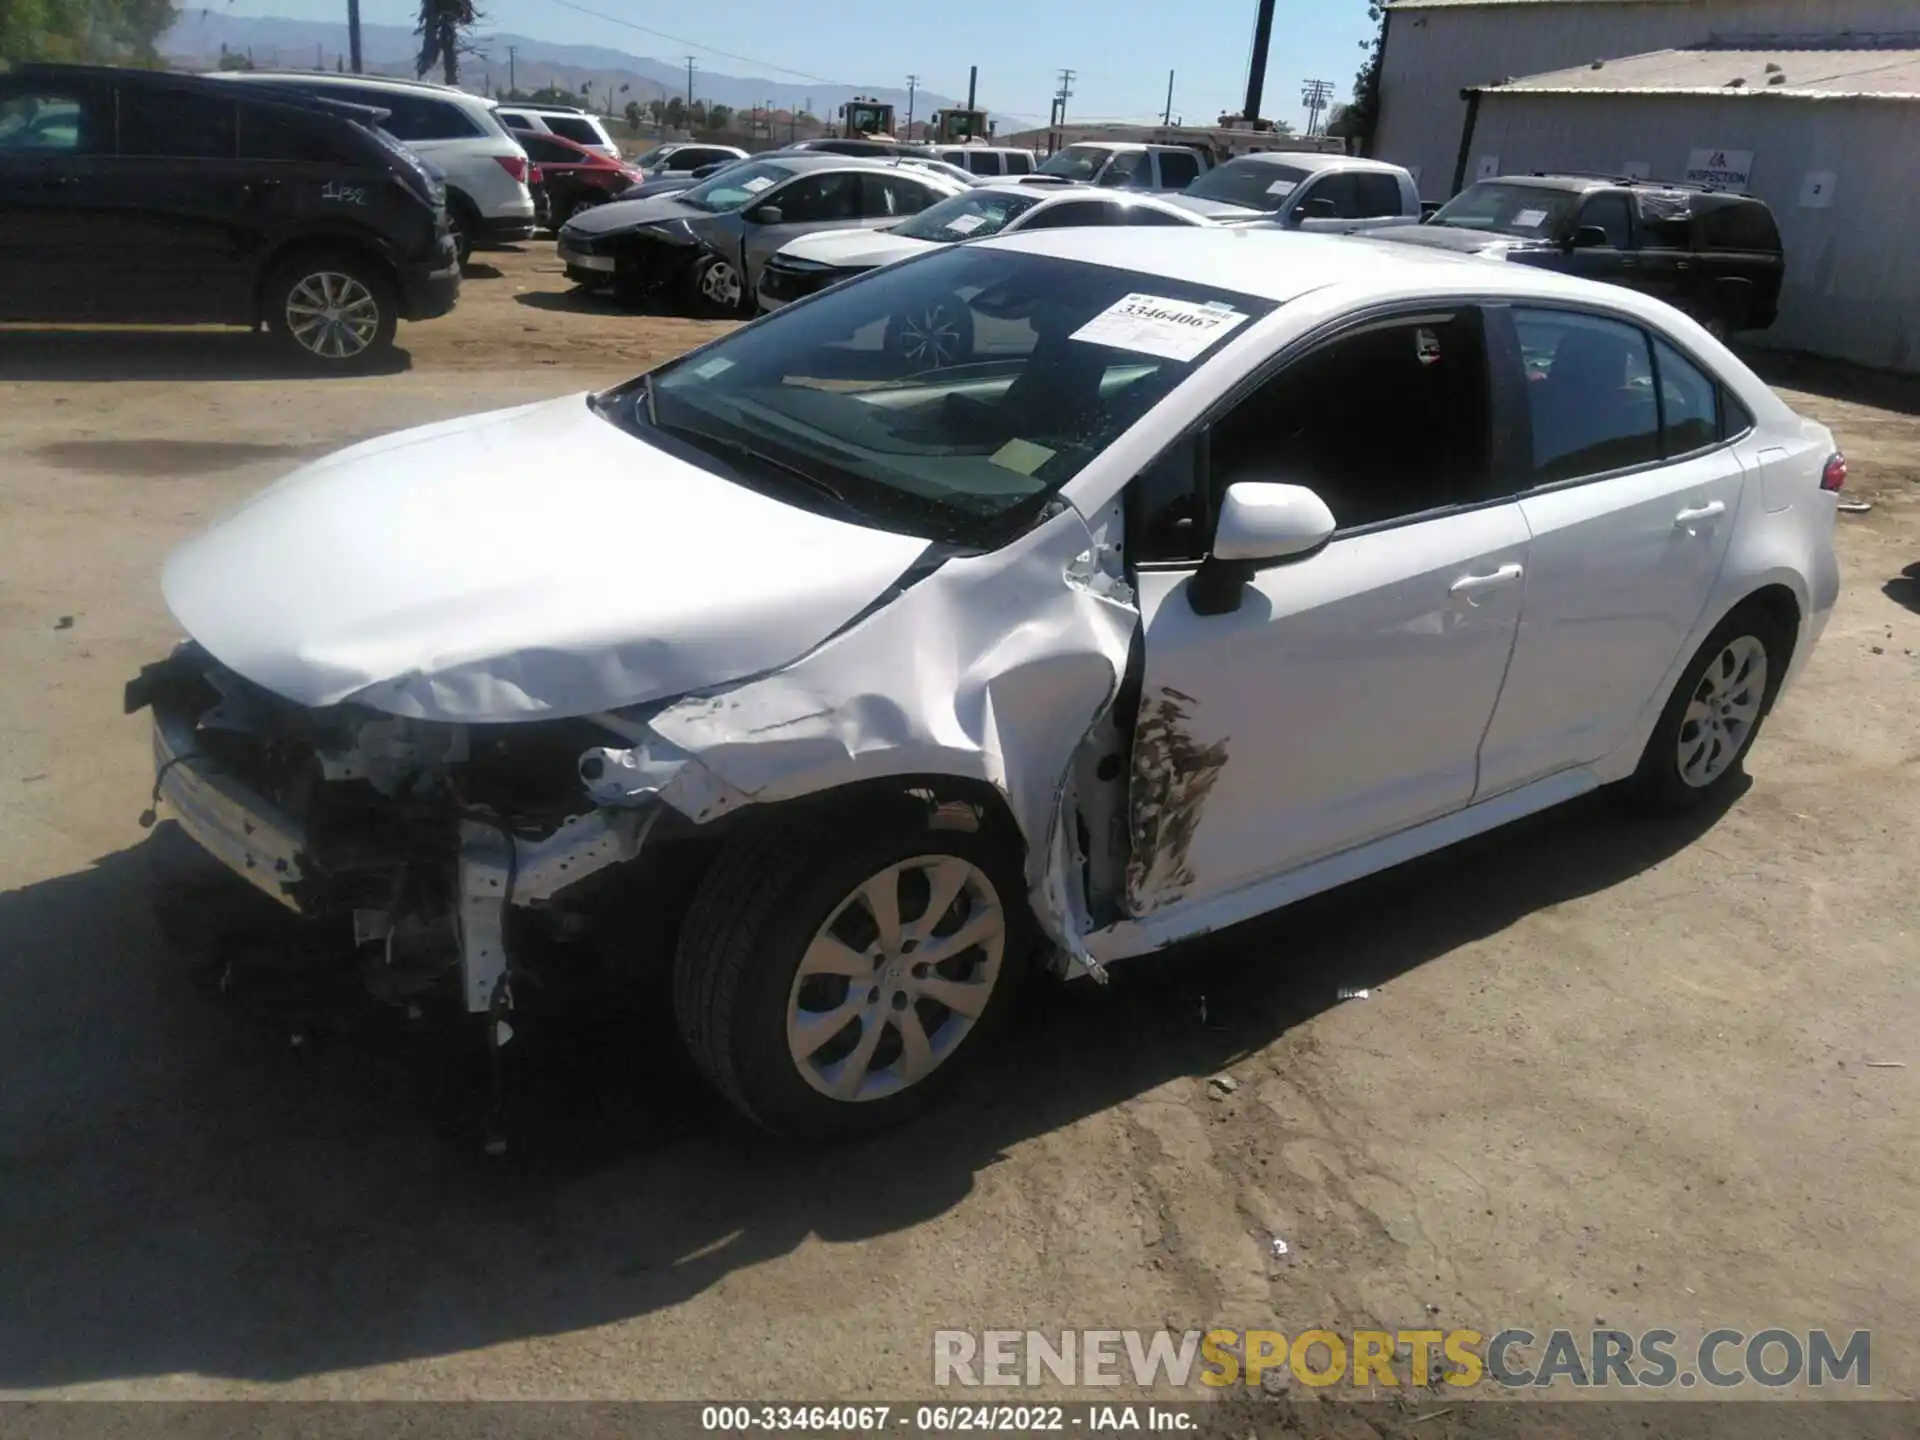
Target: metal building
(1830,139)
(1438,48)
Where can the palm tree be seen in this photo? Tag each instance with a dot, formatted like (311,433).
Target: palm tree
(440,28)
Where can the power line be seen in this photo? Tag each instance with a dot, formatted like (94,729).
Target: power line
(1315,95)
(695,44)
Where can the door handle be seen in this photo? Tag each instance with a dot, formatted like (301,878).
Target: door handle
(56,182)
(1473,584)
(1698,513)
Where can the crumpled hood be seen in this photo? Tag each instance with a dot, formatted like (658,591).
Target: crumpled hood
(531,562)
(625,214)
(851,248)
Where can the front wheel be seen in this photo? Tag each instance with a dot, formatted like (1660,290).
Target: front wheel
(717,286)
(836,981)
(333,312)
(1699,744)
(934,335)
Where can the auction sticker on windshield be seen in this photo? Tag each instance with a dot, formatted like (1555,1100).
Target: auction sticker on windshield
(757,184)
(1155,325)
(1530,219)
(966,224)
(1283,188)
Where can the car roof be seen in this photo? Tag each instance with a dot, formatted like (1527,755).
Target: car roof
(1283,265)
(395,83)
(1315,160)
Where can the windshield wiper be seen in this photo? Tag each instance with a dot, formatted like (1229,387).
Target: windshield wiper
(706,438)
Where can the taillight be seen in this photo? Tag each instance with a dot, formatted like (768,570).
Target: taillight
(534,177)
(514,165)
(1834,477)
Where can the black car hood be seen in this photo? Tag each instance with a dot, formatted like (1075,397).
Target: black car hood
(1457,239)
(630,214)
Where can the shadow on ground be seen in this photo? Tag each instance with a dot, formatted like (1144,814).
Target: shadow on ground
(582,300)
(1904,588)
(183,1190)
(1835,379)
(110,353)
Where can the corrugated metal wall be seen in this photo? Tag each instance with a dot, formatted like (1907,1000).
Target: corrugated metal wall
(1432,54)
(1853,270)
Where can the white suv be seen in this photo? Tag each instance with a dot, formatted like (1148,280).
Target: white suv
(564,121)
(488,202)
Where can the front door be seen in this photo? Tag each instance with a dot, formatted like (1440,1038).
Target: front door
(1344,698)
(806,203)
(52,133)
(1634,501)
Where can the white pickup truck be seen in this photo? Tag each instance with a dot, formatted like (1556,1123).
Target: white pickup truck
(1305,191)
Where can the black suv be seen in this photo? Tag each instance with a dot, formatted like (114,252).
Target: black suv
(134,196)
(1714,255)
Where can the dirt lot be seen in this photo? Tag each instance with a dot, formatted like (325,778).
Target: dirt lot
(1607,1069)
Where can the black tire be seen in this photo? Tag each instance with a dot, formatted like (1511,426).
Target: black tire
(586,200)
(933,336)
(751,923)
(707,284)
(1659,782)
(464,221)
(365,294)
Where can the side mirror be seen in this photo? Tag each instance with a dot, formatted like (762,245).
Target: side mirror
(1260,521)
(1591,237)
(766,215)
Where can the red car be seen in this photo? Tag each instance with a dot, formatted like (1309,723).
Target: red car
(572,177)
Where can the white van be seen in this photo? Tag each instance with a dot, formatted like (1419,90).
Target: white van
(989,160)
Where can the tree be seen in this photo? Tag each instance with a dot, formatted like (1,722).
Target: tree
(442,29)
(233,59)
(676,116)
(657,108)
(84,29)
(719,117)
(633,113)
(1363,116)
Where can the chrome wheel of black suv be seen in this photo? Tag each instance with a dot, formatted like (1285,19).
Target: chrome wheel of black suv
(333,311)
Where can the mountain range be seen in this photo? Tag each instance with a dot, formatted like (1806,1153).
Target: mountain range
(199,36)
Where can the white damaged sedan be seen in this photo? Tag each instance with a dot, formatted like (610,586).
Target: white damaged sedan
(1227,568)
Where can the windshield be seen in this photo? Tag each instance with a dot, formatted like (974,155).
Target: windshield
(735,186)
(1531,212)
(843,396)
(1256,184)
(1076,162)
(966,217)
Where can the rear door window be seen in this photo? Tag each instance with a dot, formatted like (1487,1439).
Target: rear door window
(420,117)
(1375,196)
(159,121)
(1019,163)
(882,194)
(283,134)
(1071,213)
(1737,226)
(1590,394)
(983,162)
(1689,403)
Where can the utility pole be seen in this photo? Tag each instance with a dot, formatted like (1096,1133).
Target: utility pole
(1166,117)
(1060,99)
(353,34)
(689,82)
(1315,94)
(512,51)
(913,84)
(809,111)
(1257,67)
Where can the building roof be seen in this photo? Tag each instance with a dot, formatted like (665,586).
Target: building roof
(1862,73)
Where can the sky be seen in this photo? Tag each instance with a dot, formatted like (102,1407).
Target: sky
(1120,50)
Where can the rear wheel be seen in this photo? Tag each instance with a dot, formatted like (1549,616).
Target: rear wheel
(1700,743)
(332,311)
(835,981)
(464,221)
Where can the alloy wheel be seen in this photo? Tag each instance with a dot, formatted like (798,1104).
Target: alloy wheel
(1724,709)
(332,315)
(896,978)
(931,336)
(720,285)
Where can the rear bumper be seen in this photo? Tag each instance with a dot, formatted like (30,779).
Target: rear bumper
(504,230)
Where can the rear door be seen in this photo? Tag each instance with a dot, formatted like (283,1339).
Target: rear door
(1177,168)
(185,233)
(1631,494)
(52,135)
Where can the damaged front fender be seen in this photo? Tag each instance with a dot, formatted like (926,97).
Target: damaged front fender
(994,668)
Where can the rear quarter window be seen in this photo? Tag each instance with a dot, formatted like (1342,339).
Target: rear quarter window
(1736,227)
(275,133)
